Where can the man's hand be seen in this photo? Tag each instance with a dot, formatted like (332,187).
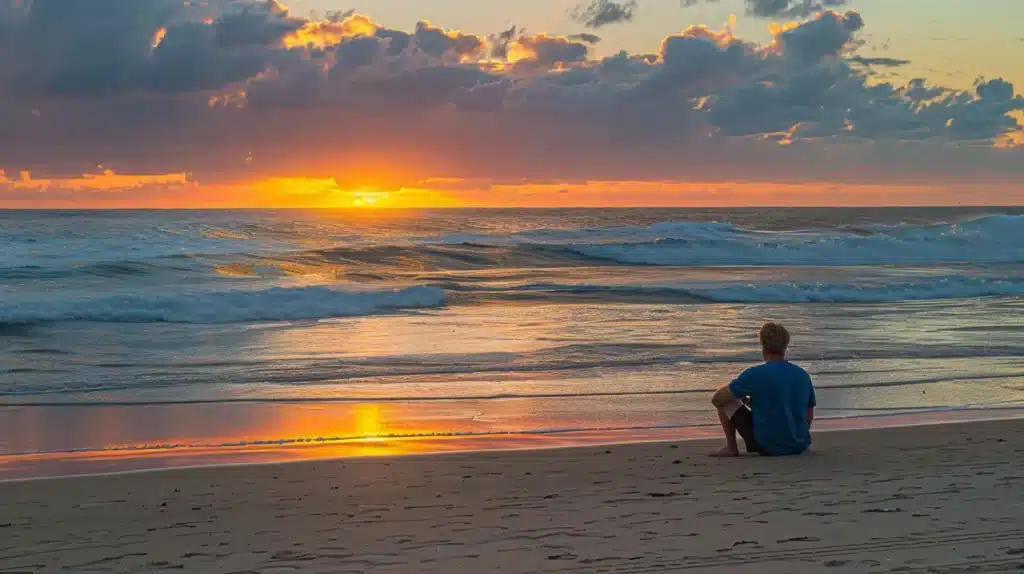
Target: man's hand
(722,397)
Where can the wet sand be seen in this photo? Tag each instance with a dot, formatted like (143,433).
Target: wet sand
(946,498)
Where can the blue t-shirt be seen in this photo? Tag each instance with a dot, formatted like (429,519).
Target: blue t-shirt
(780,394)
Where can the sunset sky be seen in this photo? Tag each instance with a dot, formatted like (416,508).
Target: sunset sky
(449,103)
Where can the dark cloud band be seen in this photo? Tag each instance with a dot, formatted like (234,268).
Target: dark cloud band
(782,8)
(240,90)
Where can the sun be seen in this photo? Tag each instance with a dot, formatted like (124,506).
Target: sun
(370,198)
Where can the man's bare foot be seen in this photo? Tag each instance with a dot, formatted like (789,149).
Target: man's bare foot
(725,452)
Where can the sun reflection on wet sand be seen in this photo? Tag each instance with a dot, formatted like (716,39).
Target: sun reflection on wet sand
(370,440)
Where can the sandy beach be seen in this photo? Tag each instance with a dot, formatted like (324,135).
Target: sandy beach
(920,499)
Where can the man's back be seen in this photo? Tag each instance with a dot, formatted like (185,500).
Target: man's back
(780,394)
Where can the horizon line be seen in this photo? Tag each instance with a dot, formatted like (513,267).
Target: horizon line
(535,208)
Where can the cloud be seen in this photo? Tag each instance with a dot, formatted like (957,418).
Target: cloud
(588,38)
(790,8)
(835,101)
(358,53)
(547,51)
(71,48)
(103,180)
(985,117)
(825,35)
(90,189)
(499,42)
(240,91)
(328,32)
(600,13)
(918,91)
(438,42)
(782,8)
(260,24)
(884,62)
(697,60)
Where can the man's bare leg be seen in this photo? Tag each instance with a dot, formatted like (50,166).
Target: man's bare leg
(731,448)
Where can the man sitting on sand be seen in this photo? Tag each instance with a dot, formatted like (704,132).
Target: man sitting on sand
(781,402)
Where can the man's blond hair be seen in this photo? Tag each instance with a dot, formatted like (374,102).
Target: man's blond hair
(774,338)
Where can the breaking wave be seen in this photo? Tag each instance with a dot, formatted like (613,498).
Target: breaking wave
(945,288)
(954,287)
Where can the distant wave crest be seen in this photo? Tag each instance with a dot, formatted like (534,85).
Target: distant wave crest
(991,239)
(276,304)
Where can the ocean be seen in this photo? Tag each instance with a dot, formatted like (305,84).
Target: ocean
(132,331)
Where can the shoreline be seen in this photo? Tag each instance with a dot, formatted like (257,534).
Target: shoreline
(912,499)
(28,467)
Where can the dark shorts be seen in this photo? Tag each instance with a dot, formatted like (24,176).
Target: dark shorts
(743,421)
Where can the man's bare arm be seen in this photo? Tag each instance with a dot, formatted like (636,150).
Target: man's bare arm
(723,397)
(810,416)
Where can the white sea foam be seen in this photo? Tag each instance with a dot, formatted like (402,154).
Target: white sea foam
(948,287)
(275,304)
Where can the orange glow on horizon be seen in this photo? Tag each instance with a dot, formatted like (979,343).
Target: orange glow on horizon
(180,191)
(329,193)
(454,192)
